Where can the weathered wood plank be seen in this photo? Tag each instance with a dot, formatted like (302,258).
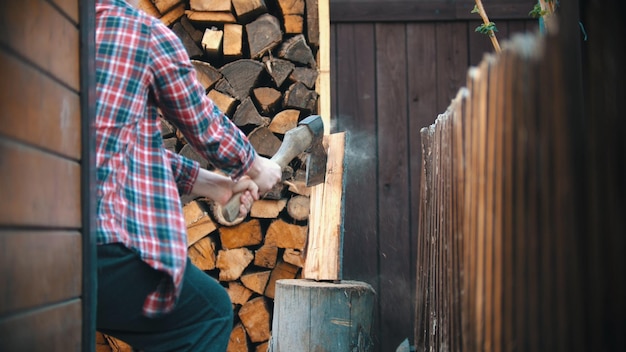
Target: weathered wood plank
(70,8)
(53,328)
(393,185)
(38,268)
(38,110)
(56,52)
(39,189)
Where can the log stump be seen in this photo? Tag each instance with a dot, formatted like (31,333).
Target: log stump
(322,316)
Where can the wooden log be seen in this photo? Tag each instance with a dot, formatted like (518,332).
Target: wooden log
(324,251)
(173,15)
(199,223)
(298,208)
(246,114)
(264,141)
(267,99)
(247,233)
(266,256)
(238,293)
(263,34)
(263,347)
(298,96)
(224,102)
(242,75)
(305,75)
(267,208)
(202,253)
(232,263)
(278,69)
(171,144)
(117,345)
(210,5)
(256,281)
(212,42)
(238,341)
(192,48)
(165,5)
(148,7)
(233,41)
(207,74)
(255,317)
(248,9)
(194,33)
(294,257)
(284,121)
(291,7)
(322,316)
(294,24)
(190,153)
(285,235)
(208,18)
(282,271)
(296,49)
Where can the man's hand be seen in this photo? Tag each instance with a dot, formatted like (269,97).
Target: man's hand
(265,173)
(220,189)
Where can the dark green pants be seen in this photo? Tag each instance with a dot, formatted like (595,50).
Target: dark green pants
(201,321)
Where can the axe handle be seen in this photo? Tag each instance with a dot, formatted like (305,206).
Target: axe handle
(296,141)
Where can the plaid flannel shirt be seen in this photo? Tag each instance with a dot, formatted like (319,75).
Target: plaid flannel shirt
(142,66)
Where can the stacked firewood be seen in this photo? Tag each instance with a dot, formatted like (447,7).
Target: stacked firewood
(257,61)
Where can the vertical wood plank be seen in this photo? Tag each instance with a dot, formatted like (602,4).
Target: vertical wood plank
(452,60)
(393,187)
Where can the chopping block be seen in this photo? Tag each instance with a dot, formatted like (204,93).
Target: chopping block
(315,316)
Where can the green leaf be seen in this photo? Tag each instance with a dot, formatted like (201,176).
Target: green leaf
(475,9)
(487,28)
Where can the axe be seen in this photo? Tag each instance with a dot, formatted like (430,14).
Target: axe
(306,138)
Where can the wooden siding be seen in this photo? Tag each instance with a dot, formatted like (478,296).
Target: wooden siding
(42,232)
(389,79)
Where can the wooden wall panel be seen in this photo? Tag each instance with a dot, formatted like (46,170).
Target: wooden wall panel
(40,34)
(39,189)
(38,267)
(69,8)
(53,328)
(383,101)
(393,183)
(37,109)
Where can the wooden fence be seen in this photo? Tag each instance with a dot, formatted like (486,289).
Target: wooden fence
(511,254)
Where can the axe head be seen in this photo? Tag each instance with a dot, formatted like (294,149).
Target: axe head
(316,154)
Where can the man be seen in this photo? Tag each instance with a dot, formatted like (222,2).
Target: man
(149,294)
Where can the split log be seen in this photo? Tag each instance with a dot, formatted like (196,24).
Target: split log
(171,144)
(264,347)
(173,15)
(202,253)
(267,99)
(224,102)
(313,22)
(264,141)
(148,7)
(294,257)
(294,24)
(165,5)
(286,235)
(278,69)
(282,271)
(298,96)
(266,256)
(296,49)
(190,153)
(246,114)
(238,293)
(194,33)
(233,41)
(264,34)
(212,42)
(210,5)
(256,281)
(207,74)
(232,263)
(199,223)
(245,234)
(298,208)
(284,121)
(208,18)
(190,45)
(248,9)
(291,7)
(255,317)
(305,75)
(238,341)
(267,208)
(242,75)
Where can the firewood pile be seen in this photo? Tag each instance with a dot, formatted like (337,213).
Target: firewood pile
(257,61)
